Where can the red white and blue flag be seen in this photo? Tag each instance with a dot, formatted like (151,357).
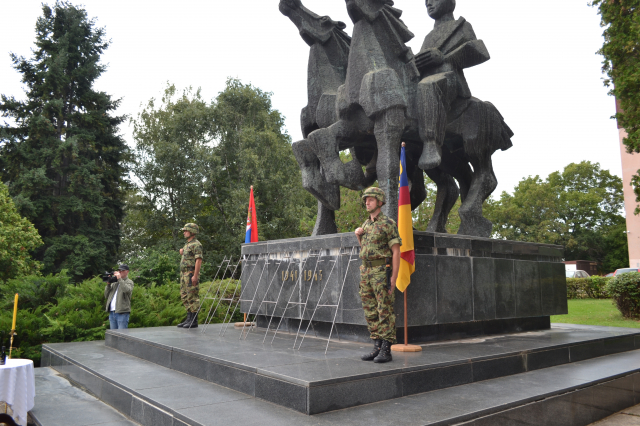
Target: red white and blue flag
(252,222)
(405,228)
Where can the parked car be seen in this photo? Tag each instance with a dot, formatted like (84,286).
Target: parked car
(610,274)
(577,274)
(624,271)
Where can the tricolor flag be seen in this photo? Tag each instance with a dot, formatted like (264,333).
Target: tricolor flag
(405,227)
(252,222)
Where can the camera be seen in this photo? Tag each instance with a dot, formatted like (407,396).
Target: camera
(109,277)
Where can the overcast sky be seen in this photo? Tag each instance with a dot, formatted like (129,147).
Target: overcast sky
(544,74)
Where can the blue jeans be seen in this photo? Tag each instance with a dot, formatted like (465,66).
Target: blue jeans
(118,320)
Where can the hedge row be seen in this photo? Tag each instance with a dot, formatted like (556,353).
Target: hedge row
(52,309)
(587,288)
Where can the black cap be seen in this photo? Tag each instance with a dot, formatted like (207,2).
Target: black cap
(123,267)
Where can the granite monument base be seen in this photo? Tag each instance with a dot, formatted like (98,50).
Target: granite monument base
(417,334)
(158,376)
(463,286)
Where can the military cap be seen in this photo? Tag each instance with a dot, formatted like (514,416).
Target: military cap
(191,227)
(374,192)
(123,267)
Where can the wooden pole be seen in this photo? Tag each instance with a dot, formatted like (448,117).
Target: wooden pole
(406,323)
(406,347)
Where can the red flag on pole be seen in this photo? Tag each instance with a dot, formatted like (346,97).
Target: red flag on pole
(252,222)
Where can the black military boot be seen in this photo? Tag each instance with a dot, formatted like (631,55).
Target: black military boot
(186,320)
(385,353)
(374,353)
(193,323)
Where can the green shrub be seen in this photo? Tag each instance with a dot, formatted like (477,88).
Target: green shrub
(76,313)
(34,290)
(624,289)
(587,288)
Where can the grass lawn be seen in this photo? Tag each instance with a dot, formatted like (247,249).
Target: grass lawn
(595,312)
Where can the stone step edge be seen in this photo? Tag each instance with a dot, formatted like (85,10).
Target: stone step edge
(461,419)
(141,407)
(83,389)
(492,418)
(633,343)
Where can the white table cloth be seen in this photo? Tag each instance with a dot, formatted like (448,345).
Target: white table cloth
(18,387)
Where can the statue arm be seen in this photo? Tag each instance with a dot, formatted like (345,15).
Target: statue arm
(468,55)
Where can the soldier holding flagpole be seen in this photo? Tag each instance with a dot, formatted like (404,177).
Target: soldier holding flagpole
(380,249)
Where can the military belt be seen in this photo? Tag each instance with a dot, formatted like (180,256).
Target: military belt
(373,263)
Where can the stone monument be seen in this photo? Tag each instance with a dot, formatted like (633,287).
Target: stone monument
(386,96)
(367,94)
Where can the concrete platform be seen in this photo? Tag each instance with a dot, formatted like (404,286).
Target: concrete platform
(59,403)
(167,362)
(576,393)
(627,417)
(311,382)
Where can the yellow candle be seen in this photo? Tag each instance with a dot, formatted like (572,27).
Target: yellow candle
(15,312)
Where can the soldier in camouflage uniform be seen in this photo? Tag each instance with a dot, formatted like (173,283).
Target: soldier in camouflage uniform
(380,245)
(190,275)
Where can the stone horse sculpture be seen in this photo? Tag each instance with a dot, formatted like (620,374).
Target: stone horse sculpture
(383,102)
(326,72)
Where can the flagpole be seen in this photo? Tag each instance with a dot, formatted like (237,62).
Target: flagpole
(406,322)
(406,347)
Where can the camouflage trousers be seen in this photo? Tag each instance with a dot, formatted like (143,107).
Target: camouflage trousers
(377,303)
(189,293)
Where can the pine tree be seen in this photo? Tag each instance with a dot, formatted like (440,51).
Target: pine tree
(60,154)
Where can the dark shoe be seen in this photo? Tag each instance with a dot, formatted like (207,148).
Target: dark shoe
(193,323)
(186,320)
(374,353)
(385,353)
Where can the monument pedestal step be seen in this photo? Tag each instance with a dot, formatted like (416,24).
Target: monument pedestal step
(576,393)
(310,382)
(59,403)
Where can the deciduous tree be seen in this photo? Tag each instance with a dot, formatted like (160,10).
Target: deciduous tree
(621,64)
(18,238)
(579,208)
(196,160)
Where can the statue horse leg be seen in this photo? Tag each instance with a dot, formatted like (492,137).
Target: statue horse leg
(446,197)
(483,183)
(313,180)
(324,143)
(389,126)
(325,221)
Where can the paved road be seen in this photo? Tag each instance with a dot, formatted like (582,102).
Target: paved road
(628,417)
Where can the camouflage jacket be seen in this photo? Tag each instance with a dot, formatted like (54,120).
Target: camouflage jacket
(380,234)
(191,251)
